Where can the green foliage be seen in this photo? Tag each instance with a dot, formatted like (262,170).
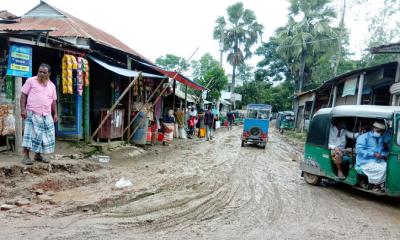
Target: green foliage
(237,35)
(383,28)
(172,63)
(263,92)
(245,73)
(303,41)
(272,67)
(209,73)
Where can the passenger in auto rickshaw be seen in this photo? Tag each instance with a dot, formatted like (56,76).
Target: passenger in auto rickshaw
(337,143)
(372,152)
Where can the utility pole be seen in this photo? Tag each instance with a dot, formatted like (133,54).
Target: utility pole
(221,49)
(221,46)
(340,38)
(17,116)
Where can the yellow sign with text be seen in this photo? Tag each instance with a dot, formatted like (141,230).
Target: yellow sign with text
(19,67)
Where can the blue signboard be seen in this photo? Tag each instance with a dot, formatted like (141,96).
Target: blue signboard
(20,61)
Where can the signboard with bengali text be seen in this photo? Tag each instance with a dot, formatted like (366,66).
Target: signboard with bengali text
(20,61)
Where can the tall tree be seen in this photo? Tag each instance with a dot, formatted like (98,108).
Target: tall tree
(245,73)
(209,73)
(172,63)
(238,35)
(272,66)
(300,39)
(383,28)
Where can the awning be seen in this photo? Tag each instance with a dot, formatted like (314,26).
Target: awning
(181,95)
(177,76)
(182,79)
(225,102)
(122,71)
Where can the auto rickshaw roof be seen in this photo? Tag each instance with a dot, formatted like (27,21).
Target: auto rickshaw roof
(366,111)
(288,113)
(259,106)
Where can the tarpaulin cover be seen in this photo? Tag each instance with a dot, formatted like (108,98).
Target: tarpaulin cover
(182,79)
(123,71)
(177,76)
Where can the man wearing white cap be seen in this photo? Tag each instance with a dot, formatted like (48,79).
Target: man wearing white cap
(371,155)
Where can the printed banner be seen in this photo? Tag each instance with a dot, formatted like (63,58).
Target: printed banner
(349,87)
(20,61)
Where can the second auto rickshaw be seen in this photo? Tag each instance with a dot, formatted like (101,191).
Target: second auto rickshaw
(284,121)
(318,163)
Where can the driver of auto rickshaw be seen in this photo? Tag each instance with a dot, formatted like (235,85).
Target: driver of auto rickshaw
(337,143)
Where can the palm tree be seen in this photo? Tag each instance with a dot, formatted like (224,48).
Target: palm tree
(312,33)
(237,35)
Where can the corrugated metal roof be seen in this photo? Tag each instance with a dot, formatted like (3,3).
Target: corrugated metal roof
(359,71)
(387,48)
(43,10)
(7,15)
(16,27)
(65,26)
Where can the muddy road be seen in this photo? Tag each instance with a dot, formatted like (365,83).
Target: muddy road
(205,190)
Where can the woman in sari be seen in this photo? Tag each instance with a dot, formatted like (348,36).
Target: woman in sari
(169,126)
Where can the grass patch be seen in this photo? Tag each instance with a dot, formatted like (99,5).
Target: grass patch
(77,144)
(295,135)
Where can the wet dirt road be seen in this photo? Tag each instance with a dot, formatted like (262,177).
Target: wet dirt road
(218,190)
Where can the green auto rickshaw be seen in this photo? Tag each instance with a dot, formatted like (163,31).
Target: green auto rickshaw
(318,164)
(284,121)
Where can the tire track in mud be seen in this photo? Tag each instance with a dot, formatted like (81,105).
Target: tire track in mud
(219,190)
(198,207)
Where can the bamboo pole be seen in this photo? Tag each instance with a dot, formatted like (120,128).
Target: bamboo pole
(141,108)
(162,92)
(129,62)
(86,113)
(17,116)
(173,100)
(186,93)
(137,127)
(109,112)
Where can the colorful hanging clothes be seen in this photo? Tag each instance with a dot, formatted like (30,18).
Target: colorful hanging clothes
(79,76)
(85,70)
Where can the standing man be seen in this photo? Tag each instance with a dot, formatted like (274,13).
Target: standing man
(39,110)
(231,119)
(209,121)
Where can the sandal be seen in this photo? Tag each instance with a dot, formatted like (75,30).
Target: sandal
(40,158)
(27,161)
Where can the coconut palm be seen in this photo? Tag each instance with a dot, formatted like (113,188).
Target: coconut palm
(307,33)
(237,35)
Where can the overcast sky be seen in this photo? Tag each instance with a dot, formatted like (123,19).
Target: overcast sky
(156,27)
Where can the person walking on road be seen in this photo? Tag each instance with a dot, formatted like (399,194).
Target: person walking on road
(209,121)
(39,110)
(192,121)
(231,118)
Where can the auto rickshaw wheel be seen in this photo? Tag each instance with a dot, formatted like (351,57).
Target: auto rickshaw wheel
(243,143)
(311,178)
